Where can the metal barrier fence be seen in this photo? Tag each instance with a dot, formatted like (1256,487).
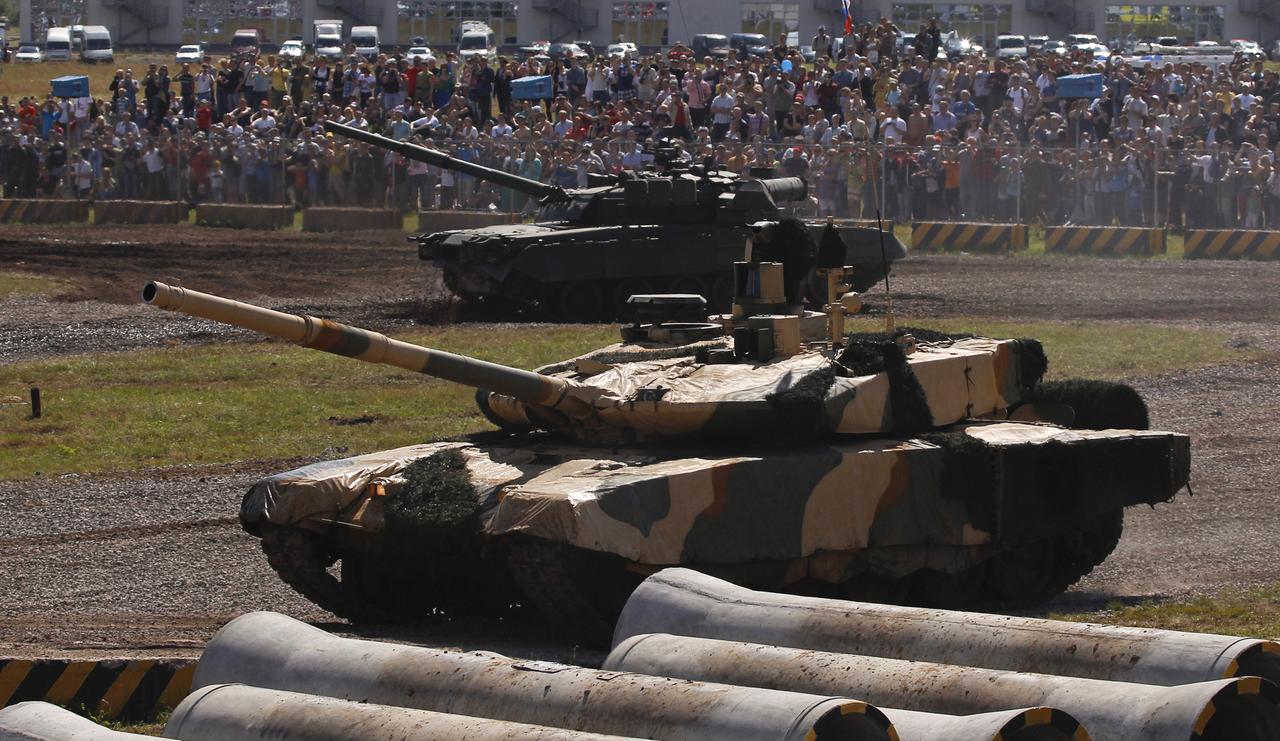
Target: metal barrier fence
(1132,186)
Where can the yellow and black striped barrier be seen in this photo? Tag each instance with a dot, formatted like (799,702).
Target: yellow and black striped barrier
(43,211)
(139,212)
(955,236)
(1109,241)
(124,689)
(1231,244)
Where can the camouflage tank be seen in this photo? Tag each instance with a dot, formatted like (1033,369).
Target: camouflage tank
(764,446)
(589,250)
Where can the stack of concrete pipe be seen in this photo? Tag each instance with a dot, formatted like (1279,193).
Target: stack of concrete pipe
(698,658)
(1120,683)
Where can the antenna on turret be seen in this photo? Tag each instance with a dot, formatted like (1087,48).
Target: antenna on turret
(884,261)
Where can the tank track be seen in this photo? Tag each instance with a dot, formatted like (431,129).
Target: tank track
(580,593)
(300,559)
(1026,577)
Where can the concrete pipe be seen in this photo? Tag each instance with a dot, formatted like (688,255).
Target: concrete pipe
(42,721)
(236,712)
(274,651)
(1027,724)
(685,602)
(1238,709)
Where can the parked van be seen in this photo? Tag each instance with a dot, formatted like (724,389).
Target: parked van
(246,42)
(365,40)
(97,45)
(476,39)
(57,45)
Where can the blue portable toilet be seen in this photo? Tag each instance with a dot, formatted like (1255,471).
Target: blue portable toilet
(70,86)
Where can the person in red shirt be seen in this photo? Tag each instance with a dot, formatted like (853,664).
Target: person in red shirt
(204,116)
(28,114)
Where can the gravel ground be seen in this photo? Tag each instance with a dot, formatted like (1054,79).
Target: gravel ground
(155,562)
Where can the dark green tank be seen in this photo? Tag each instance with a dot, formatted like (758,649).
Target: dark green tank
(588,250)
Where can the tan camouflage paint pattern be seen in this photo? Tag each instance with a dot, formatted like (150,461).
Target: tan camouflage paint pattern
(965,378)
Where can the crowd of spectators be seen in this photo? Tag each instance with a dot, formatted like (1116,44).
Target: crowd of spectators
(872,124)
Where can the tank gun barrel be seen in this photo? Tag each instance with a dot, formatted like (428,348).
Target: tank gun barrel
(371,347)
(440,159)
(785,189)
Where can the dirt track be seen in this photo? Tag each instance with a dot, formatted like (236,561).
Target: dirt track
(154,562)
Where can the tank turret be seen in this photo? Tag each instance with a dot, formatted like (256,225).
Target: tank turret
(676,229)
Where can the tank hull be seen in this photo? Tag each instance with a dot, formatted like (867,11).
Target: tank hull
(578,271)
(833,517)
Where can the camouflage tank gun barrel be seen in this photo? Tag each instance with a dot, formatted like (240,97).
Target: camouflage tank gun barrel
(371,347)
(529,187)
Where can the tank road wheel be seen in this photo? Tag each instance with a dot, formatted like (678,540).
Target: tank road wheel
(1086,547)
(625,289)
(578,592)
(940,589)
(1022,576)
(302,561)
(579,301)
(1041,571)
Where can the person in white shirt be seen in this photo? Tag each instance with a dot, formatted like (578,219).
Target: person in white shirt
(721,113)
(636,158)
(82,171)
(564,124)
(500,130)
(892,127)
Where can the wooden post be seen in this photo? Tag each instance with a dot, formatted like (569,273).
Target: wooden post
(35,402)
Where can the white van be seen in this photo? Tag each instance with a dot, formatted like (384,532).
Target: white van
(476,39)
(97,45)
(365,40)
(57,45)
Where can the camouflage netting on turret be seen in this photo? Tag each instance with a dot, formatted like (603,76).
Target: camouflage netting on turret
(1098,405)
(436,504)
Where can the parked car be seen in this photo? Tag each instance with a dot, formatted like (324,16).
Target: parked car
(189,54)
(418,53)
(957,47)
(567,51)
(623,48)
(588,46)
(1250,50)
(1098,52)
(1053,46)
(1035,43)
(1011,46)
(28,53)
(710,45)
(749,45)
(1076,39)
(291,50)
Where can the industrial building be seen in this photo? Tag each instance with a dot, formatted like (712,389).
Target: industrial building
(646,23)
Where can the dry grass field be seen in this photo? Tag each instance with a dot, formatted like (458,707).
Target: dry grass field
(20,80)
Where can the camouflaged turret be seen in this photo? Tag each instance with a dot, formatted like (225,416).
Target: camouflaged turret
(677,228)
(764,445)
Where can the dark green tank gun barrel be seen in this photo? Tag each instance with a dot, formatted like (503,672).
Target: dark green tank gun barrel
(440,159)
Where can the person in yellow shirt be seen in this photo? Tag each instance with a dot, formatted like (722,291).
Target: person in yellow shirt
(279,83)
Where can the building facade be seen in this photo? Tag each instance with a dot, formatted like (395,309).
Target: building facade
(648,23)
